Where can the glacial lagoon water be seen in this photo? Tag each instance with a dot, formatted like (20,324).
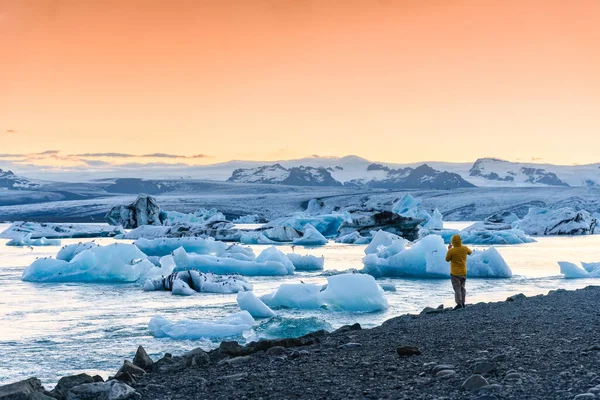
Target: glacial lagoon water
(50,330)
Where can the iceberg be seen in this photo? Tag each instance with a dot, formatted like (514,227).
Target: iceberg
(355,293)
(408,207)
(59,231)
(327,225)
(343,292)
(381,238)
(564,221)
(230,326)
(200,282)
(311,237)
(305,296)
(307,262)
(165,246)
(247,219)
(200,217)
(280,233)
(271,262)
(482,237)
(353,238)
(27,241)
(572,271)
(427,259)
(180,288)
(249,302)
(117,262)
(256,238)
(67,253)
(143,211)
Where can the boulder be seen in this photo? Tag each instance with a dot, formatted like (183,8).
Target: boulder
(484,367)
(66,383)
(21,390)
(407,351)
(142,360)
(143,211)
(130,368)
(111,390)
(474,382)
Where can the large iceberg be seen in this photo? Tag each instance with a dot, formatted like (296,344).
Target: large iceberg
(295,295)
(311,237)
(270,262)
(564,221)
(249,302)
(247,219)
(427,259)
(27,241)
(354,292)
(199,282)
(143,211)
(307,262)
(59,231)
(256,238)
(381,238)
(570,270)
(344,292)
(230,326)
(117,262)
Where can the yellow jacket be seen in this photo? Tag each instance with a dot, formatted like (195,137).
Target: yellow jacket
(457,257)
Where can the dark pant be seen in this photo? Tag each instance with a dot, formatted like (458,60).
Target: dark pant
(460,293)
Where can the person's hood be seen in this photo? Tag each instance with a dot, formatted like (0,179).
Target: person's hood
(456,241)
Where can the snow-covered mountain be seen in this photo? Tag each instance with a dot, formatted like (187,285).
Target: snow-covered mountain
(276,174)
(8,180)
(495,172)
(377,176)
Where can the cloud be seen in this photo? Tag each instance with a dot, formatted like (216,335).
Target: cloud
(200,156)
(11,131)
(162,155)
(96,163)
(116,155)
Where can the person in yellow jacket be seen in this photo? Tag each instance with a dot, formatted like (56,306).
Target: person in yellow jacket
(457,257)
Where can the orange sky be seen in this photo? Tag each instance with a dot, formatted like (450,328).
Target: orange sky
(389,80)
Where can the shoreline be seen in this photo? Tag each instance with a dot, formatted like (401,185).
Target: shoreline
(539,347)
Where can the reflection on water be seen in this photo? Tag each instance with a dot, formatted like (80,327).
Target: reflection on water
(50,330)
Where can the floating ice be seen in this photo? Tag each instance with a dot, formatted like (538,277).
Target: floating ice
(230,326)
(117,262)
(354,292)
(283,327)
(564,221)
(326,224)
(427,259)
(353,238)
(311,237)
(59,231)
(388,287)
(180,288)
(26,240)
(344,292)
(570,270)
(249,302)
(247,219)
(68,252)
(202,216)
(200,282)
(295,295)
(255,238)
(482,237)
(381,238)
(270,262)
(209,246)
(307,262)
(280,233)
(408,207)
